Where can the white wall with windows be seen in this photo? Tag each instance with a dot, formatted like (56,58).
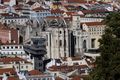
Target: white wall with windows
(13,50)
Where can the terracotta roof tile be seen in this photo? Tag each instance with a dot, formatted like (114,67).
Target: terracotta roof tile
(35,72)
(8,14)
(93,23)
(7,60)
(70,7)
(76,78)
(70,13)
(13,78)
(8,70)
(30,2)
(6,0)
(52,17)
(65,68)
(40,9)
(93,11)
(57,11)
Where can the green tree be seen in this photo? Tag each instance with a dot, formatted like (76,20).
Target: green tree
(108,64)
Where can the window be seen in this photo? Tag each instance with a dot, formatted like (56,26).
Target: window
(60,32)
(7,47)
(60,43)
(20,47)
(26,67)
(92,43)
(21,66)
(17,67)
(43,79)
(16,47)
(8,20)
(84,44)
(75,40)
(11,47)
(12,53)
(64,43)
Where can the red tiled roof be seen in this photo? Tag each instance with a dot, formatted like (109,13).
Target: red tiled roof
(8,14)
(70,13)
(6,0)
(70,7)
(8,70)
(93,23)
(65,68)
(68,18)
(17,6)
(93,11)
(13,78)
(35,72)
(76,78)
(57,11)
(30,2)
(7,60)
(39,9)
(52,17)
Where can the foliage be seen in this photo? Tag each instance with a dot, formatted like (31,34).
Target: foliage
(108,64)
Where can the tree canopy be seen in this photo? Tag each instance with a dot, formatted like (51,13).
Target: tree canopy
(108,64)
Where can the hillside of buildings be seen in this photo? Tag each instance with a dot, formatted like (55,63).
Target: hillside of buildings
(54,39)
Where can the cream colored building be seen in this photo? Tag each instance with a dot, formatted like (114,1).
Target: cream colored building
(13,50)
(87,33)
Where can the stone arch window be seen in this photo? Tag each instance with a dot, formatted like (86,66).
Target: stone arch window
(60,43)
(84,44)
(93,43)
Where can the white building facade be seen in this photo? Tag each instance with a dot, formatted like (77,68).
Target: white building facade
(13,50)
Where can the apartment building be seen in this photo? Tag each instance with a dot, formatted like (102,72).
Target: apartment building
(13,50)
(8,35)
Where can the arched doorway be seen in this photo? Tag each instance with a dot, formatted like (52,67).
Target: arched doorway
(84,45)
